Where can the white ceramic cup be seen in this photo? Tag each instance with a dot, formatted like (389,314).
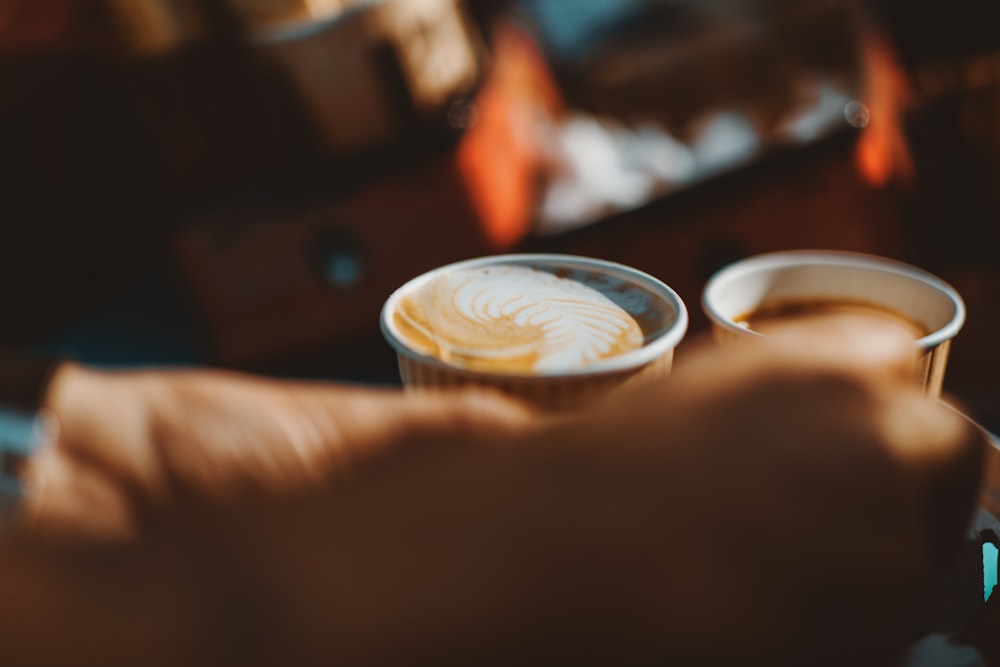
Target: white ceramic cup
(560,390)
(807,275)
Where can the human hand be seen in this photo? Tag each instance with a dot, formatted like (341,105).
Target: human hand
(783,502)
(825,494)
(135,442)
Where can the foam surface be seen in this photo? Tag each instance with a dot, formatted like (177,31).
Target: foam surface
(521,319)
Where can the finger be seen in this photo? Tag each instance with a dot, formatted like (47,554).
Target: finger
(469,410)
(856,342)
(858,352)
(940,453)
(852,346)
(362,422)
(68,498)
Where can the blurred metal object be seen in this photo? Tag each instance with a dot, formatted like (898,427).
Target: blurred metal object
(152,28)
(367,71)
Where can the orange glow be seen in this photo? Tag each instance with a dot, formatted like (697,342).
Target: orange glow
(882,151)
(498,158)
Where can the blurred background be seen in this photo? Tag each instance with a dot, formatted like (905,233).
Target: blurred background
(241,183)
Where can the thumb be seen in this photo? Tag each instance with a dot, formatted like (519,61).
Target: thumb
(854,342)
(941,453)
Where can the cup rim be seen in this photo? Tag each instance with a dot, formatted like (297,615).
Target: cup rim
(790,258)
(627,361)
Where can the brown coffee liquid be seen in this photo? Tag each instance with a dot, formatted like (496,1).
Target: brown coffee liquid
(767,318)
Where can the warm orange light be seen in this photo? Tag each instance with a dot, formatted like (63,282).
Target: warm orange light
(499,157)
(882,151)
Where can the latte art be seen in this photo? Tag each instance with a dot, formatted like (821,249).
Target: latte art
(519,319)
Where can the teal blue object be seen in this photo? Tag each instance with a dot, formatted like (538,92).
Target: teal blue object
(573,27)
(343,269)
(990,558)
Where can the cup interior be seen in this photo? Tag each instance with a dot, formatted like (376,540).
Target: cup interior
(759,281)
(666,319)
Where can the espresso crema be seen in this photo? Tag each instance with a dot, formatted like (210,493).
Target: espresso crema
(518,319)
(771,317)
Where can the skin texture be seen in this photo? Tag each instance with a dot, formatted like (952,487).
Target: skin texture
(782,502)
(134,444)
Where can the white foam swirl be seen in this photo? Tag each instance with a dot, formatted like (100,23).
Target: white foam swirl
(514,312)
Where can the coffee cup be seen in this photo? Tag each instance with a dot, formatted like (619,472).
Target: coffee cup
(749,297)
(556,331)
